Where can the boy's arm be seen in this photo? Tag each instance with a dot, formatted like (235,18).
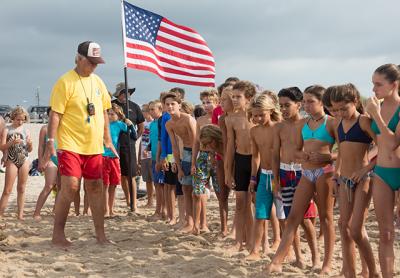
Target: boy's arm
(276,158)
(106,136)
(230,151)
(164,140)
(195,148)
(300,155)
(175,148)
(255,162)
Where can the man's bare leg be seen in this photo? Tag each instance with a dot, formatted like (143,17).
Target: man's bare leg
(69,187)
(96,203)
(187,195)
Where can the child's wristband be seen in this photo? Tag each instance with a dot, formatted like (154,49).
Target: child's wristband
(253,178)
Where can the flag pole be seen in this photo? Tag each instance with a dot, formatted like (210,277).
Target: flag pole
(127,95)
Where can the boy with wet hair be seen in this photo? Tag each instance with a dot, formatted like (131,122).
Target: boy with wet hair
(184,126)
(238,159)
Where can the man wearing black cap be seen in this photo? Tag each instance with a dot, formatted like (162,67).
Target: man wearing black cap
(135,115)
(79,103)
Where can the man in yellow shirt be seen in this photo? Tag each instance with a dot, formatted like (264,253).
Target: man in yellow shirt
(79,103)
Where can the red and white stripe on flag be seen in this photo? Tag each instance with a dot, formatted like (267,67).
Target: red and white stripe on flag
(175,53)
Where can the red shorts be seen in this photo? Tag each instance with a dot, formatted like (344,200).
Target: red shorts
(311,211)
(72,164)
(111,171)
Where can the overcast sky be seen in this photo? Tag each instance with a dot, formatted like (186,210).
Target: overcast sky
(275,44)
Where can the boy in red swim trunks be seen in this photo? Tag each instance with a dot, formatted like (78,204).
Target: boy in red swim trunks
(287,172)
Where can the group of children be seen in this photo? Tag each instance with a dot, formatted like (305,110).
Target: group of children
(288,157)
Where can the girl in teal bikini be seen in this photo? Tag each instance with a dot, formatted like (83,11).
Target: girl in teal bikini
(315,141)
(50,171)
(385,124)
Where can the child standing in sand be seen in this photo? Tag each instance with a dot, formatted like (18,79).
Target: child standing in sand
(354,136)
(287,172)
(145,156)
(202,169)
(16,142)
(265,115)
(238,159)
(111,166)
(50,165)
(315,138)
(155,109)
(184,126)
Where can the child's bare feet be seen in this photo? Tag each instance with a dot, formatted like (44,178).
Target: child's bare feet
(253,257)
(61,242)
(299,264)
(37,218)
(223,234)
(187,229)
(172,222)
(325,270)
(204,230)
(237,247)
(155,217)
(273,268)
(275,245)
(196,231)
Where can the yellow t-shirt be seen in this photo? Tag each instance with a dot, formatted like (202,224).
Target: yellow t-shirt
(77,132)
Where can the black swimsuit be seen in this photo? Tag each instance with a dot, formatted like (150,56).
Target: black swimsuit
(354,134)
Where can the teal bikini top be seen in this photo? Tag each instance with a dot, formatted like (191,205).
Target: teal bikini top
(392,124)
(53,158)
(320,133)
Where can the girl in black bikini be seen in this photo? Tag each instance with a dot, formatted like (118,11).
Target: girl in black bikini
(354,136)
(16,143)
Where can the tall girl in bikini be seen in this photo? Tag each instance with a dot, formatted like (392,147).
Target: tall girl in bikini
(315,141)
(385,124)
(17,144)
(354,136)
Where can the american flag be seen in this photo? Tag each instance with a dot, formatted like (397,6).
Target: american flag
(175,53)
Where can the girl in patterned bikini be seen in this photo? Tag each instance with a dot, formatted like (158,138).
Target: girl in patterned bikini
(354,136)
(315,141)
(16,142)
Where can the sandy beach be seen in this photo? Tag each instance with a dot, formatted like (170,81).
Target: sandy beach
(142,248)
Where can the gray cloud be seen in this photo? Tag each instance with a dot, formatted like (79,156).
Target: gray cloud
(273,43)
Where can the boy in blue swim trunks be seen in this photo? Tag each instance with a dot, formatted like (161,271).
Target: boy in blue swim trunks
(184,126)
(265,114)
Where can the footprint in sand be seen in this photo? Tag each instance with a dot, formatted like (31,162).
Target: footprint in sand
(3,236)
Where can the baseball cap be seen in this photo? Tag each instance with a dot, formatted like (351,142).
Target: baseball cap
(91,51)
(120,88)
